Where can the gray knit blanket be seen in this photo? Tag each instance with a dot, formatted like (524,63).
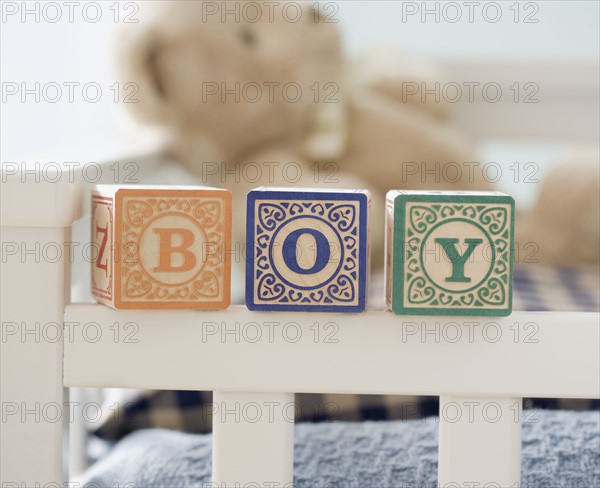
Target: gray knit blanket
(560,450)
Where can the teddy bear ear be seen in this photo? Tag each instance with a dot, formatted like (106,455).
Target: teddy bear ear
(137,54)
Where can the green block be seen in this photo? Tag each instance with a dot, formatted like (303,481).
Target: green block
(449,253)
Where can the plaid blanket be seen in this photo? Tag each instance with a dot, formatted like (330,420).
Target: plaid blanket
(536,288)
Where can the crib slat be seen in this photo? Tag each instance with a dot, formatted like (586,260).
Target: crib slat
(480,441)
(32,289)
(253,439)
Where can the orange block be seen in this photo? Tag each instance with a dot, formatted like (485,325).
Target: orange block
(161,247)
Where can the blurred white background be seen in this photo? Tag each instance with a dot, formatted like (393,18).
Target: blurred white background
(81,51)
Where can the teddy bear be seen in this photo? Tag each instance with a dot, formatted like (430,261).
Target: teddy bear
(563,225)
(258,98)
(257,95)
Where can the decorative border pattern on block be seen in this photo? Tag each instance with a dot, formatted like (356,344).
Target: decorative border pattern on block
(342,216)
(417,217)
(207,214)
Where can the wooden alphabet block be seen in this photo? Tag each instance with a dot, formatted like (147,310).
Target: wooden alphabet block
(161,247)
(308,250)
(449,253)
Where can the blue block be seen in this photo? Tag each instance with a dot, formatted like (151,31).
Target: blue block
(307,250)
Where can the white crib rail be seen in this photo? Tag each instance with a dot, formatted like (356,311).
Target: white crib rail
(32,293)
(481,367)
(375,352)
(493,364)
(36,214)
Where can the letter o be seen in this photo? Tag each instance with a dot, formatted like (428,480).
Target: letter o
(498,9)
(256,7)
(457,9)
(290,245)
(444,412)
(498,410)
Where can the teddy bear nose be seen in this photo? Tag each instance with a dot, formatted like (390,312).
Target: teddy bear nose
(248,37)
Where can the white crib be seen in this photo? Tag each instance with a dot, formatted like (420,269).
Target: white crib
(480,380)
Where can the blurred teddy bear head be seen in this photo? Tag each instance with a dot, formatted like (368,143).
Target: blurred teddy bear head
(227,77)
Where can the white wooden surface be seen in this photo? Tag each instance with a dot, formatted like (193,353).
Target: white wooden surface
(250,358)
(253,439)
(374,352)
(32,300)
(47,199)
(480,441)
(36,212)
(78,439)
